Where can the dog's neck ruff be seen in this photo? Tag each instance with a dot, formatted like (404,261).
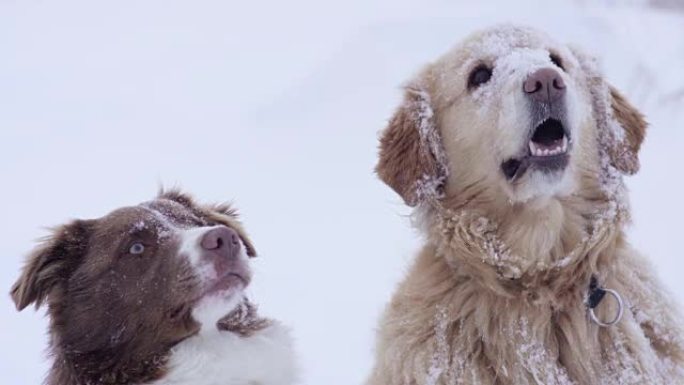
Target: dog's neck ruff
(481,235)
(467,239)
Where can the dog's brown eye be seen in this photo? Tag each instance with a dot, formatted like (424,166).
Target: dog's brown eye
(480,75)
(555,59)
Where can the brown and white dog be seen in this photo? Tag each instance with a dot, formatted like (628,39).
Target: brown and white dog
(153,294)
(511,147)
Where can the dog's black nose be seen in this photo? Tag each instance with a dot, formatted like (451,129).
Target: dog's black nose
(544,86)
(221,241)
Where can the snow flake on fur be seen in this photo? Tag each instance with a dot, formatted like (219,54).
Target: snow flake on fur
(536,358)
(479,233)
(440,358)
(429,186)
(612,139)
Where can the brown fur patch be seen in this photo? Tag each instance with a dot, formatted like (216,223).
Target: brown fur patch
(407,163)
(244,320)
(625,156)
(114,314)
(49,264)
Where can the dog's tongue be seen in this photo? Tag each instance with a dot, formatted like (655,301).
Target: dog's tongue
(244,320)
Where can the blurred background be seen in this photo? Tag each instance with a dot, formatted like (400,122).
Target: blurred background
(276,105)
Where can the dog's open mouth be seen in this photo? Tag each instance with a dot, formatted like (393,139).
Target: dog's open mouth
(548,139)
(547,150)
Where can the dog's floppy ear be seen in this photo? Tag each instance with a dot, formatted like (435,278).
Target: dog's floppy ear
(621,126)
(412,161)
(51,263)
(630,133)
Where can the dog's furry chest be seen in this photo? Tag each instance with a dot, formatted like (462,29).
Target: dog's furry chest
(223,358)
(507,345)
(440,329)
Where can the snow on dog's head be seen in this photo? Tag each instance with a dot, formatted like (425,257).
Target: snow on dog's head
(507,115)
(124,288)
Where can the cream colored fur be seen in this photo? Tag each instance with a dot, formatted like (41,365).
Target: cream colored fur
(497,294)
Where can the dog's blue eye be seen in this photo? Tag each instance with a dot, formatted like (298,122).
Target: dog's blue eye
(480,75)
(137,248)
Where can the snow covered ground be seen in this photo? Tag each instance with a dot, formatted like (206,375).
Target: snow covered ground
(277,105)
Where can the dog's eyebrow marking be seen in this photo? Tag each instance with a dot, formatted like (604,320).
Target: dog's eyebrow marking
(163,218)
(166,225)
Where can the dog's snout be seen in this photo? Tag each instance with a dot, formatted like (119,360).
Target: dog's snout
(221,241)
(544,86)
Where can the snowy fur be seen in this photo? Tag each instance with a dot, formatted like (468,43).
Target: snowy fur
(497,294)
(497,115)
(215,357)
(171,312)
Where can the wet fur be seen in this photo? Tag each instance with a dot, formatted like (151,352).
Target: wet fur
(497,293)
(116,320)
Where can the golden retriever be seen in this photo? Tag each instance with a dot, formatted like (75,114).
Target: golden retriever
(511,148)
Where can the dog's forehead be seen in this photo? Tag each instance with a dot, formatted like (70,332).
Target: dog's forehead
(500,41)
(507,49)
(160,213)
(496,44)
(170,210)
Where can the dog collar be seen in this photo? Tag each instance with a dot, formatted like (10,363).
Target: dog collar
(595,295)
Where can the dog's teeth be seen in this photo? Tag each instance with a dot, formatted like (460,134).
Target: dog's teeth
(536,150)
